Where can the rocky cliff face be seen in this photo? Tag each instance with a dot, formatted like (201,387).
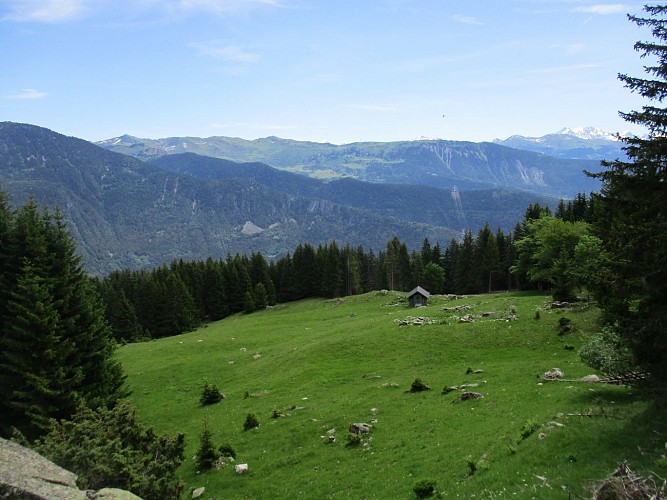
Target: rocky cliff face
(25,474)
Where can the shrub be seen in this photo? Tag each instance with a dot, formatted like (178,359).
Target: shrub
(227,450)
(206,455)
(537,314)
(108,447)
(564,326)
(251,422)
(472,466)
(569,347)
(210,395)
(607,353)
(418,386)
(275,413)
(528,428)
(425,488)
(353,440)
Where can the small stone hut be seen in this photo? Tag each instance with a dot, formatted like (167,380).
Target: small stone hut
(418,297)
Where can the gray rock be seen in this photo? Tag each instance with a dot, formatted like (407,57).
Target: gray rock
(26,474)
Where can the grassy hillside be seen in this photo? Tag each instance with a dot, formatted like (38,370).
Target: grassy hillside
(328,363)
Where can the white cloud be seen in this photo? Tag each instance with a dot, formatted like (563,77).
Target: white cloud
(609,8)
(44,11)
(27,94)
(230,53)
(466,20)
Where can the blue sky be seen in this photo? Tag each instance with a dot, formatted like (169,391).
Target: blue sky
(338,71)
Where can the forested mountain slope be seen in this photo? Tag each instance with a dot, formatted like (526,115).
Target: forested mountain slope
(127,213)
(436,163)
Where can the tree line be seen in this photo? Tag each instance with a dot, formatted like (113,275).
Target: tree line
(171,299)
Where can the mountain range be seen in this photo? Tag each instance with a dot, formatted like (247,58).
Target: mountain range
(586,143)
(127,212)
(435,163)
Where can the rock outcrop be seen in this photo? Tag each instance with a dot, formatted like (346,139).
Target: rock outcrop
(26,474)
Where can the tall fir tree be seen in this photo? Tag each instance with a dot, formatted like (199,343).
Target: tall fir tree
(50,306)
(632,216)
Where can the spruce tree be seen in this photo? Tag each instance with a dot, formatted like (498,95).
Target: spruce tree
(55,345)
(632,218)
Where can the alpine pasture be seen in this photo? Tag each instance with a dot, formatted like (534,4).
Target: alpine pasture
(310,369)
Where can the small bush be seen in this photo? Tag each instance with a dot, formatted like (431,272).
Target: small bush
(528,428)
(418,386)
(251,422)
(227,450)
(275,414)
(353,440)
(206,455)
(424,488)
(569,347)
(537,314)
(564,326)
(210,395)
(472,466)
(606,352)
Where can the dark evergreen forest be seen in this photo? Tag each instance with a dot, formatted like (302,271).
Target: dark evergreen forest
(168,300)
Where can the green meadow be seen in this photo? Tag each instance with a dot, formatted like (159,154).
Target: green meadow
(324,364)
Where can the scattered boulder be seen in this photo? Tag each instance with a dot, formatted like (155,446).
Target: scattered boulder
(198,492)
(241,468)
(418,321)
(360,428)
(556,304)
(468,318)
(590,378)
(463,307)
(26,474)
(467,396)
(553,374)
(112,494)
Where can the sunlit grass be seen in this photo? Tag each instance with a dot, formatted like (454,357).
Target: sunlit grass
(328,363)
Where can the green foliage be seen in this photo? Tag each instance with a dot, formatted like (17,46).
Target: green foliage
(227,450)
(56,350)
(419,386)
(425,488)
(564,325)
(546,253)
(110,448)
(353,440)
(206,454)
(251,422)
(528,428)
(433,278)
(607,352)
(210,395)
(632,214)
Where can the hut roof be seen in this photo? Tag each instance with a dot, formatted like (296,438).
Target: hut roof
(418,290)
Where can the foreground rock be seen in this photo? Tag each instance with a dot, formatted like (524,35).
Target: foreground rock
(26,474)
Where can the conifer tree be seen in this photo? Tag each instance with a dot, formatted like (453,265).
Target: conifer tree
(50,311)
(632,218)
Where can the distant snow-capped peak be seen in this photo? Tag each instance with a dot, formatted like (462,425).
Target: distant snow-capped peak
(587,133)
